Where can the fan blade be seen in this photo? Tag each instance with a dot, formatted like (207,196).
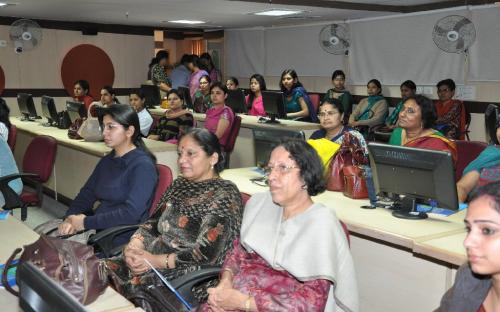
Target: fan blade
(344,42)
(440,31)
(461,24)
(460,44)
(333,29)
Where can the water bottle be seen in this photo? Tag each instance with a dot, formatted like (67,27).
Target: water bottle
(372,195)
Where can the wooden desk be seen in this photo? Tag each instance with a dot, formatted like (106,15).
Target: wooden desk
(391,275)
(243,154)
(15,234)
(448,248)
(76,159)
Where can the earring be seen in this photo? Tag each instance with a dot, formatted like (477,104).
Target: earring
(212,167)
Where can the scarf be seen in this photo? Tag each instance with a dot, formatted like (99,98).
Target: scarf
(392,119)
(488,158)
(372,100)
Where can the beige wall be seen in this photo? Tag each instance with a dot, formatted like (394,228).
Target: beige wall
(41,67)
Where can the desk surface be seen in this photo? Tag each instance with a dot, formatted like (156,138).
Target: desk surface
(253,121)
(16,234)
(95,148)
(448,248)
(375,223)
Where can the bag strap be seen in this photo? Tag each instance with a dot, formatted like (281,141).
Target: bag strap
(90,108)
(6,268)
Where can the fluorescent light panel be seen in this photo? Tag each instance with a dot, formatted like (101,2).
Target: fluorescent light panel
(278,12)
(187,22)
(2,4)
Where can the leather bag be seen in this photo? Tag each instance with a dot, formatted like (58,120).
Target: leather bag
(73,265)
(354,182)
(73,129)
(90,130)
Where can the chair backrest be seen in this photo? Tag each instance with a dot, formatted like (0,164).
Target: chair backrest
(11,140)
(165,179)
(40,156)
(467,151)
(315,99)
(235,130)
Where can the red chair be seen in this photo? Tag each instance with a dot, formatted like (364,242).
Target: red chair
(244,198)
(165,178)
(11,140)
(315,99)
(467,151)
(38,162)
(231,140)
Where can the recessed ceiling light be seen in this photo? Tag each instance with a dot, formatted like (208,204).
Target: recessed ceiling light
(187,22)
(278,12)
(2,4)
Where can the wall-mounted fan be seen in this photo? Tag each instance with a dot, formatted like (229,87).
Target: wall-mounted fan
(25,34)
(454,34)
(334,39)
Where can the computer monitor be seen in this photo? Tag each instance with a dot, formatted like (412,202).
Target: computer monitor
(151,95)
(27,106)
(266,139)
(75,110)
(274,105)
(49,111)
(236,100)
(186,95)
(422,176)
(39,293)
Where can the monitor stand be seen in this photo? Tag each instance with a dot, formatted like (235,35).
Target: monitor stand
(272,120)
(409,210)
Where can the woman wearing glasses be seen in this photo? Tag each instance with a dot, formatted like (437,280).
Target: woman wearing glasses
(278,263)
(331,114)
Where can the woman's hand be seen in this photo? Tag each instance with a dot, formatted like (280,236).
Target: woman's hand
(72,224)
(65,228)
(227,299)
(154,137)
(135,259)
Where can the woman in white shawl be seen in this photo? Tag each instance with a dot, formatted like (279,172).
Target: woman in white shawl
(292,254)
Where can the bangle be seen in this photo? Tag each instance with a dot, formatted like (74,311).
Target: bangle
(166,262)
(247,304)
(228,270)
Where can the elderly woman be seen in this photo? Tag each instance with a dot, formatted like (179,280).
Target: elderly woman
(278,263)
(416,119)
(331,115)
(196,220)
(486,167)
(477,283)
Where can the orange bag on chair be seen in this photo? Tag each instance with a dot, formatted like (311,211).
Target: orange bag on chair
(354,182)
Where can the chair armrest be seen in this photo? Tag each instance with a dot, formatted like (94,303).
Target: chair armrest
(6,179)
(103,240)
(185,283)
(12,199)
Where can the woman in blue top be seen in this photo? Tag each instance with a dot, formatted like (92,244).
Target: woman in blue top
(123,181)
(297,101)
(8,166)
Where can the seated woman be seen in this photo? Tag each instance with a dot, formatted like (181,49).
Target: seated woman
(370,111)
(297,101)
(451,113)
(4,120)
(331,115)
(197,69)
(196,220)
(8,166)
(220,118)
(416,119)
(407,88)
(136,99)
(123,182)
(201,100)
(486,167)
(340,93)
(278,263)
(254,99)
(81,91)
(108,96)
(477,287)
(177,119)
(232,83)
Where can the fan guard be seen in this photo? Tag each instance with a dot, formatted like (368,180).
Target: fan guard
(334,39)
(25,34)
(454,34)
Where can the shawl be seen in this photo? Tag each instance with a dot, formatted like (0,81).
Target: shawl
(488,158)
(313,116)
(372,100)
(345,98)
(293,246)
(392,119)
(452,117)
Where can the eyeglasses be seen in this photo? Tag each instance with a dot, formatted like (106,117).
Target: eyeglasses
(329,114)
(280,169)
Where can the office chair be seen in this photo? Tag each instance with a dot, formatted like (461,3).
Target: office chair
(103,241)
(231,140)
(467,151)
(38,162)
(315,100)
(11,140)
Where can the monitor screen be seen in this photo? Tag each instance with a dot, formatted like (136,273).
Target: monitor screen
(39,293)
(75,110)
(151,95)
(186,95)
(26,106)
(423,174)
(274,104)
(49,110)
(236,100)
(266,139)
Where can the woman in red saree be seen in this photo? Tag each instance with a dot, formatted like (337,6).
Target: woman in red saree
(416,119)
(451,113)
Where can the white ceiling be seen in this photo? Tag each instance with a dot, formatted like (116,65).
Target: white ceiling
(217,13)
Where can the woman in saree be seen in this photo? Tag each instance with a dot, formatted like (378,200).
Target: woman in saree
(451,112)
(416,119)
